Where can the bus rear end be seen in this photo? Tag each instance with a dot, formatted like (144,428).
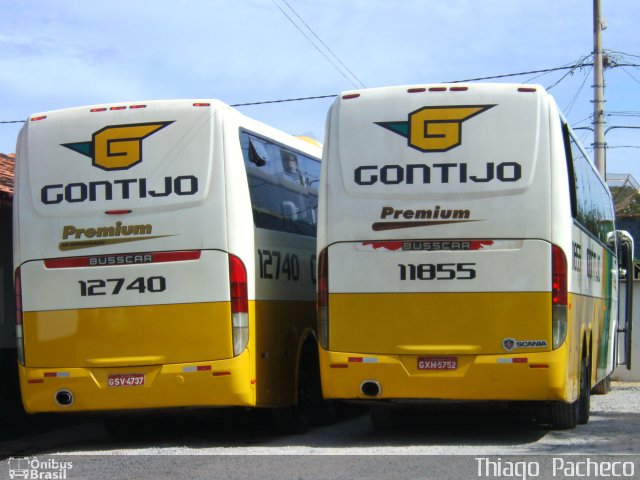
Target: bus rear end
(128,295)
(442,267)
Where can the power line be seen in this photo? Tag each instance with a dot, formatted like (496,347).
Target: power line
(282,100)
(362,85)
(530,72)
(569,107)
(317,47)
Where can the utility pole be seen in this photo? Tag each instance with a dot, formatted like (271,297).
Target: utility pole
(598,92)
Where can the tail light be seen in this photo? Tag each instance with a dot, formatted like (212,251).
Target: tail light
(19,330)
(239,304)
(558,295)
(323,299)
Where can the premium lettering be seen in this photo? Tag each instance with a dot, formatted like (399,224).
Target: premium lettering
(117,230)
(437,212)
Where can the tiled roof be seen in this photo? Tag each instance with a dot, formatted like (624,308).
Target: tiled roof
(7,166)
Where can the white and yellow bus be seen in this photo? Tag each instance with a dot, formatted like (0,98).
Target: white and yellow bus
(467,251)
(165,257)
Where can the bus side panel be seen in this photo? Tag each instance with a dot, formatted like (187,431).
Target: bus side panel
(593,314)
(285,310)
(278,329)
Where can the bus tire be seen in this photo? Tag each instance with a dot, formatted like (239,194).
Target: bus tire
(382,417)
(584,401)
(296,418)
(603,386)
(564,416)
(325,412)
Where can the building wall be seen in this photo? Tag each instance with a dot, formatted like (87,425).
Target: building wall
(621,373)
(7,307)
(9,389)
(631,225)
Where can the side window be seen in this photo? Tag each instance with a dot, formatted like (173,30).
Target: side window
(593,206)
(282,185)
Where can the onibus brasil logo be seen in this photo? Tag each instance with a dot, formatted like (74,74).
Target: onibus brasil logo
(435,129)
(35,468)
(117,147)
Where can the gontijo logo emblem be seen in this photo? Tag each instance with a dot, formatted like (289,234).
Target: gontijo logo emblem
(435,129)
(117,147)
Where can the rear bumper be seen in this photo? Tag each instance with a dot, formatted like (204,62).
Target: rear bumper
(478,377)
(204,384)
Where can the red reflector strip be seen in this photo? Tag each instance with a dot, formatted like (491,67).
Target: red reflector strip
(160,257)
(118,108)
(438,89)
(201,104)
(363,359)
(66,262)
(35,119)
(56,374)
(416,90)
(124,259)
(513,360)
(101,109)
(538,365)
(222,374)
(349,96)
(339,365)
(196,368)
(394,245)
(527,89)
(118,212)
(137,106)
(36,380)
(459,89)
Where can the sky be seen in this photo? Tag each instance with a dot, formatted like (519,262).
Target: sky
(64,53)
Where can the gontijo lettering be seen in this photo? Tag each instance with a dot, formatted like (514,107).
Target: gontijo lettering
(420,173)
(104,190)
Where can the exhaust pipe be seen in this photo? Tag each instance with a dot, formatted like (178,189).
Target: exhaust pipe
(370,388)
(64,398)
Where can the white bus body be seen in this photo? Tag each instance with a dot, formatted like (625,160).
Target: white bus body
(142,279)
(461,255)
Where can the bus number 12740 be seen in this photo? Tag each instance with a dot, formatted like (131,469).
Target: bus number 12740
(114,286)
